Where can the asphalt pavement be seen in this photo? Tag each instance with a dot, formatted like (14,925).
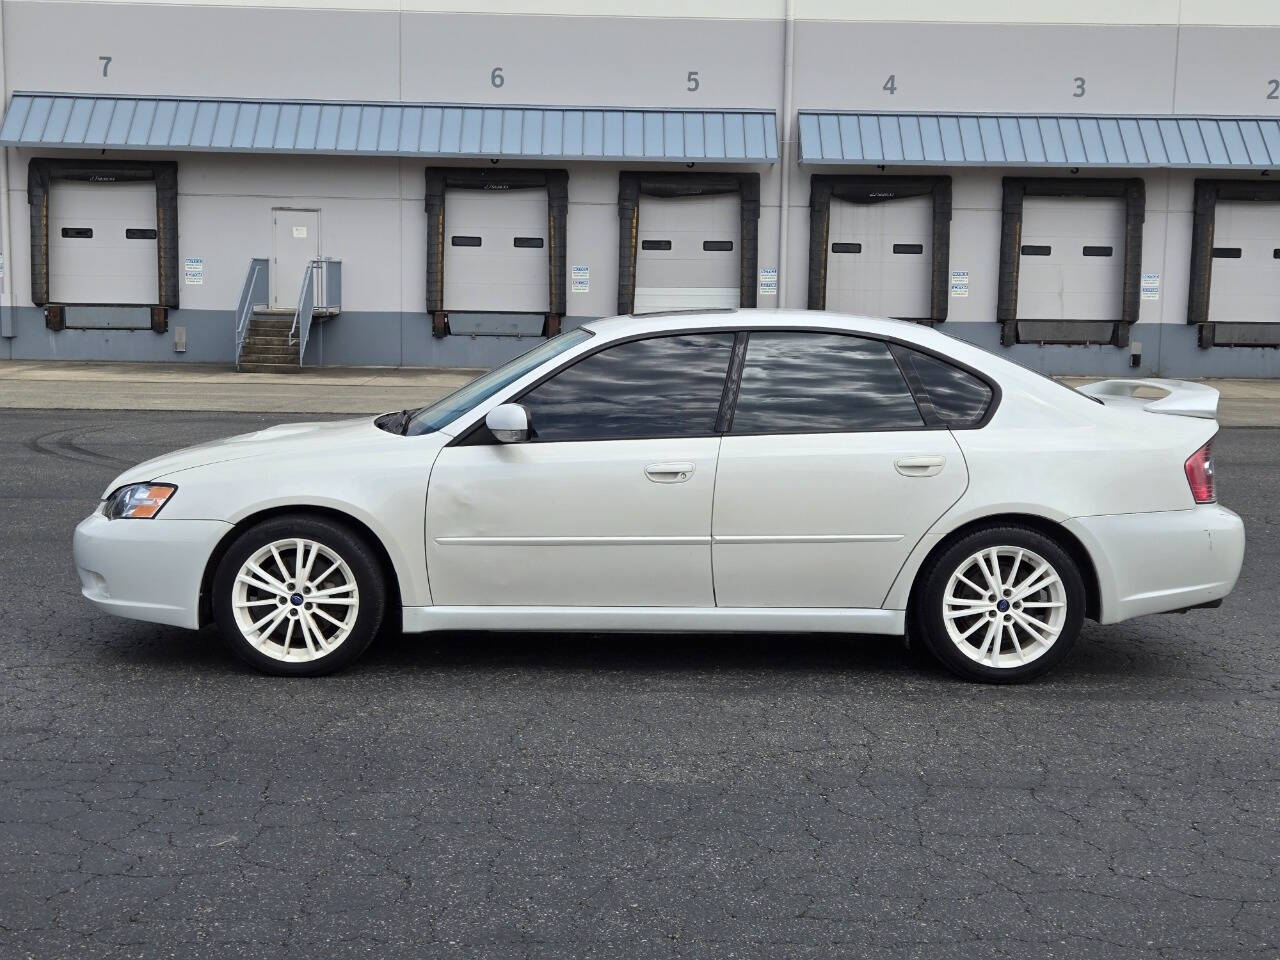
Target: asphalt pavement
(487,795)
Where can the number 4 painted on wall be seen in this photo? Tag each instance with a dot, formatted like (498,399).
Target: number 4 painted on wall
(106,62)
(891,85)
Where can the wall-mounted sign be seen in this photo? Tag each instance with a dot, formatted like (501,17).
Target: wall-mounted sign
(959,283)
(193,271)
(1151,286)
(579,278)
(299,233)
(768,281)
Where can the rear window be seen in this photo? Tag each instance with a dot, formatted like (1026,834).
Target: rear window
(958,397)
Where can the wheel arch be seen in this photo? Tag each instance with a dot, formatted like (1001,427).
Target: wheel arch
(1052,529)
(357,526)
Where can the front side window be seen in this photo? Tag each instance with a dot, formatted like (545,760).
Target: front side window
(448,409)
(802,382)
(958,398)
(661,387)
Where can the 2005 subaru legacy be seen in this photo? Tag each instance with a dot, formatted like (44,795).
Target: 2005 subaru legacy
(721,470)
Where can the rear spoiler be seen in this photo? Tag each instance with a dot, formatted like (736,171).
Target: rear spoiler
(1182,398)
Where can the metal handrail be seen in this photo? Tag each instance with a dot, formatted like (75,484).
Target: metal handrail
(244,306)
(330,273)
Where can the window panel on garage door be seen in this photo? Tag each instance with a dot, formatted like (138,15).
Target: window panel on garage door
(1245,282)
(495,250)
(1071,263)
(688,256)
(102,242)
(880,257)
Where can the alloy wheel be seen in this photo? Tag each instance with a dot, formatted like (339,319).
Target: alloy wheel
(1004,606)
(295,600)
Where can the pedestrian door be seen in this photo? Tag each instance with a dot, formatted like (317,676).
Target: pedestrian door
(495,251)
(880,258)
(1071,261)
(1245,281)
(295,243)
(102,242)
(688,254)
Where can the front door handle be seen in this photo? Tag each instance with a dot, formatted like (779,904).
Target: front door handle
(669,472)
(920,466)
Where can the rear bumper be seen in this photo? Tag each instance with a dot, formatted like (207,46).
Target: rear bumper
(146,569)
(1167,560)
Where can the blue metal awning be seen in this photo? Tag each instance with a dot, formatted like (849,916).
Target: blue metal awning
(385,129)
(950,140)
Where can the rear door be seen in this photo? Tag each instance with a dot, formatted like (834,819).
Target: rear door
(102,243)
(610,503)
(1071,263)
(880,258)
(1245,282)
(688,256)
(828,476)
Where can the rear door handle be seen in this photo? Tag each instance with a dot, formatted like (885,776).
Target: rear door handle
(920,466)
(669,472)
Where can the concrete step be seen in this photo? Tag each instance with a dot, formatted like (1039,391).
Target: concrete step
(270,355)
(267,340)
(249,366)
(260,310)
(263,325)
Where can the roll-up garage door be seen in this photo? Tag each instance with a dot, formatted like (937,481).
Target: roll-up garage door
(688,256)
(1245,283)
(495,251)
(880,258)
(102,242)
(1071,262)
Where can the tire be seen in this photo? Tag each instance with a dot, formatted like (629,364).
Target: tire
(1030,635)
(269,621)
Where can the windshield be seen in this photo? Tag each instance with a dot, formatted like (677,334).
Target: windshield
(444,411)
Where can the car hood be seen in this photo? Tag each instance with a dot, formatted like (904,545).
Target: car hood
(279,441)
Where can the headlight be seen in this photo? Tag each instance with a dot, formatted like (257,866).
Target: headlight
(137,501)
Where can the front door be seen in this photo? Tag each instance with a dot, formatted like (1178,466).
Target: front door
(608,505)
(295,243)
(827,478)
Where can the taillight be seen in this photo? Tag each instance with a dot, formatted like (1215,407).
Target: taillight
(1199,468)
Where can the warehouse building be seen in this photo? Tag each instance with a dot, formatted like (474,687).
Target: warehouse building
(1091,189)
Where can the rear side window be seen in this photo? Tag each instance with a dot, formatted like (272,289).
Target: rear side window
(799,382)
(958,398)
(661,387)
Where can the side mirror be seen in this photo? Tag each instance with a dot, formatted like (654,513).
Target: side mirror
(509,423)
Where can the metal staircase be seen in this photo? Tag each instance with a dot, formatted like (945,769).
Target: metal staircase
(274,340)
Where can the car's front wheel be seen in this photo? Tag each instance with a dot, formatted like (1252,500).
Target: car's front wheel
(1000,605)
(298,596)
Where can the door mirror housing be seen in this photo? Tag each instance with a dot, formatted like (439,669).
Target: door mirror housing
(509,422)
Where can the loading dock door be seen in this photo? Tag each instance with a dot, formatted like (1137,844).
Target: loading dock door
(688,256)
(880,258)
(102,242)
(295,242)
(495,251)
(1245,283)
(1071,262)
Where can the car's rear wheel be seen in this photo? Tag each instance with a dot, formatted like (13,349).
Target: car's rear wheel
(1001,605)
(298,596)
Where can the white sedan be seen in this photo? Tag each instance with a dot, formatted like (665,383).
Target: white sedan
(723,470)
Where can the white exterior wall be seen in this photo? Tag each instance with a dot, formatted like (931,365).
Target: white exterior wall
(1144,57)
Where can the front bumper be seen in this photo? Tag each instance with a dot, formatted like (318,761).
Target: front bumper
(1161,561)
(146,569)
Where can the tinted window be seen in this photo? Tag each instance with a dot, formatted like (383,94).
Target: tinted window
(663,387)
(795,382)
(958,398)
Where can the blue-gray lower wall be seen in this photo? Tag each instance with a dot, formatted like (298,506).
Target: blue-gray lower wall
(388,339)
